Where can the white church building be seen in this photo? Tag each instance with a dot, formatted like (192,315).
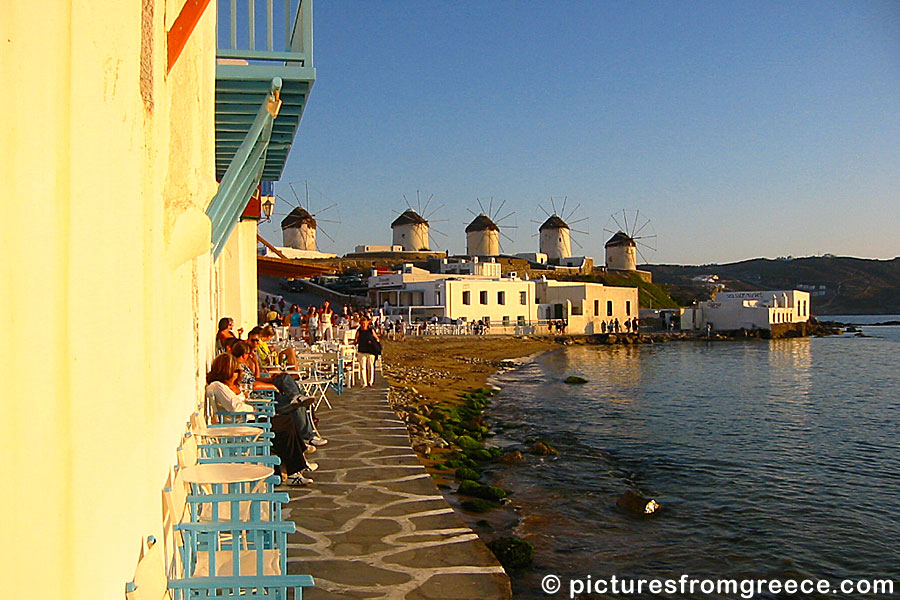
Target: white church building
(748,310)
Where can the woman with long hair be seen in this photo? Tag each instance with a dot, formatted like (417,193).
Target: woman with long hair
(224,332)
(223,390)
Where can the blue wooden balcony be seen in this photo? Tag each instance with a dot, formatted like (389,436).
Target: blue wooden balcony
(259,41)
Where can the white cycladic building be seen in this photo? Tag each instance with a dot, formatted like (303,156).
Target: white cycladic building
(365,248)
(533,257)
(410,230)
(482,237)
(502,300)
(748,310)
(422,294)
(473,266)
(585,306)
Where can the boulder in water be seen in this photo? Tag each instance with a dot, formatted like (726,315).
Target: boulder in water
(575,380)
(542,449)
(637,505)
(513,457)
(512,552)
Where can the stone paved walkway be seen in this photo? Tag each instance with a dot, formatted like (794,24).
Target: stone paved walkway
(374,525)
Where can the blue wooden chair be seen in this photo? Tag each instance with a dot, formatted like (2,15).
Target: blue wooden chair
(196,504)
(154,580)
(190,453)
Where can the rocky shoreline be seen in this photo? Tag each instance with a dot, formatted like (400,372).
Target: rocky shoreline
(440,387)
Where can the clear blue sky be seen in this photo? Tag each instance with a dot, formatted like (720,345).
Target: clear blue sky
(742,129)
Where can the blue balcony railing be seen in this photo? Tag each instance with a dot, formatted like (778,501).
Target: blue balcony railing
(258,41)
(266,30)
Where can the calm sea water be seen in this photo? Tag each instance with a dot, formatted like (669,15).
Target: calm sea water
(772,459)
(860,319)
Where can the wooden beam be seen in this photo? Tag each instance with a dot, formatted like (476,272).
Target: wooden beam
(182,28)
(263,241)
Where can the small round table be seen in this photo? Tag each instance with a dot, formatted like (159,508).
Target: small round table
(225,473)
(237,431)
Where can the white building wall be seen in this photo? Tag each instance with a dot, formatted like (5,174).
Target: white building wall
(593,301)
(491,308)
(754,310)
(107,302)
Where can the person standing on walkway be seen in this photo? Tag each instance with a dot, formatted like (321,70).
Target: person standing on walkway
(368,348)
(295,323)
(312,325)
(325,321)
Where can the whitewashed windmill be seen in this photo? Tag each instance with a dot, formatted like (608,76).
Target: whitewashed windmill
(410,229)
(300,226)
(483,233)
(556,234)
(633,236)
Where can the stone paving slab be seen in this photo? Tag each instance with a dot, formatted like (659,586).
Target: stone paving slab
(374,525)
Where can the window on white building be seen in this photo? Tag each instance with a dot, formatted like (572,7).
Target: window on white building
(437,298)
(501,297)
(523,298)
(506,319)
(596,308)
(482,297)
(609,308)
(520,320)
(628,308)
(467,297)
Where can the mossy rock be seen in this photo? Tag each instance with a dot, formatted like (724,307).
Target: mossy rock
(435,426)
(485,492)
(443,486)
(468,443)
(466,473)
(512,552)
(440,467)
(477,505)
(455,463)
(480,455)
(437,415)
(495,452)
(468,487)
(575,380)
(483,524)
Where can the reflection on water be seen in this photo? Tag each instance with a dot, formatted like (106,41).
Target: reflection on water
(772,458)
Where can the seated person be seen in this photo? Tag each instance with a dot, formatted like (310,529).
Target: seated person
(222,385)
(223,389)
(244,353)
(224,333)
(289,400)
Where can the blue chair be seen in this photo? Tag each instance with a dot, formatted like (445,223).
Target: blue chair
(191,452)
(153,580)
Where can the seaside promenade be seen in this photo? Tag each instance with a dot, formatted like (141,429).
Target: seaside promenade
(374,525)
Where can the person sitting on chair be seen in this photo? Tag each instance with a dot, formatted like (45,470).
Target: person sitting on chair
(223,390)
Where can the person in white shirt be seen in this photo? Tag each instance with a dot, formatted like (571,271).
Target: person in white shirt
(223,389)
(223,385)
